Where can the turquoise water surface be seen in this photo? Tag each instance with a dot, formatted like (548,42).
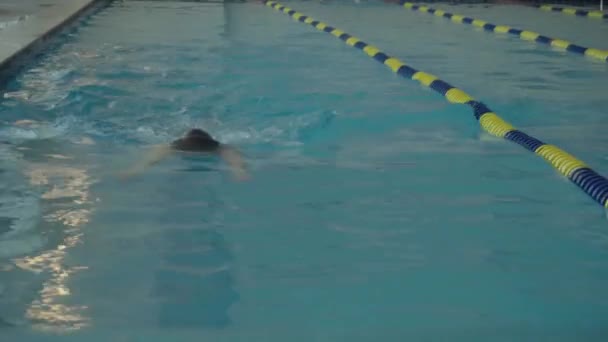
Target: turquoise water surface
(375,209)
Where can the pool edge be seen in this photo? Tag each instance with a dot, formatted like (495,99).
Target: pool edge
(22,55)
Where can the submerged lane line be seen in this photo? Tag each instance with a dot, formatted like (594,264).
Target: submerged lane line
(592,183)
(573,11)
(503,29)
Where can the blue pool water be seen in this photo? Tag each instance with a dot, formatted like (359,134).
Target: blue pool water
(375,211)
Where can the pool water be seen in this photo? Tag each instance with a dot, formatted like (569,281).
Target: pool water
(375,209)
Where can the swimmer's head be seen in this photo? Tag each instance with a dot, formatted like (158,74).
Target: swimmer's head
(196,140)
(198,133)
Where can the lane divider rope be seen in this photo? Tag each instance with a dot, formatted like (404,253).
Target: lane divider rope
(592,183)
(503,29)
(574,11)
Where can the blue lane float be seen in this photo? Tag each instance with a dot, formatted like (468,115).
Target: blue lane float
(591,182)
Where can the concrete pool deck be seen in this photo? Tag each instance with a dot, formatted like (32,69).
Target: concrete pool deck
(24,24)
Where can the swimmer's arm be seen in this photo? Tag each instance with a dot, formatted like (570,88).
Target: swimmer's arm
(155,155)
(235,160)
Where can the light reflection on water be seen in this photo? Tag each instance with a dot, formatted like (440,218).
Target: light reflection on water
(49,311)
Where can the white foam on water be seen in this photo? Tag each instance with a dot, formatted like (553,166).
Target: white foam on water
(26,129)
(236,137)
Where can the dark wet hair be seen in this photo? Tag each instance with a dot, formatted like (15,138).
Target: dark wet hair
(196,140)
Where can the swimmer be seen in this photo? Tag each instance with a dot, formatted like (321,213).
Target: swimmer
(195,141)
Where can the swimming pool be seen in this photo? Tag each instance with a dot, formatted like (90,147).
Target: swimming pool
(376,210)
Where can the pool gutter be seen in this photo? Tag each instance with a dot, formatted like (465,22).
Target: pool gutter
(22,42)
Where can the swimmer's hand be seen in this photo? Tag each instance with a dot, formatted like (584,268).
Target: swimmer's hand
(235,160)
(155,155)
(26,122)
(240,176)
(126,175)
